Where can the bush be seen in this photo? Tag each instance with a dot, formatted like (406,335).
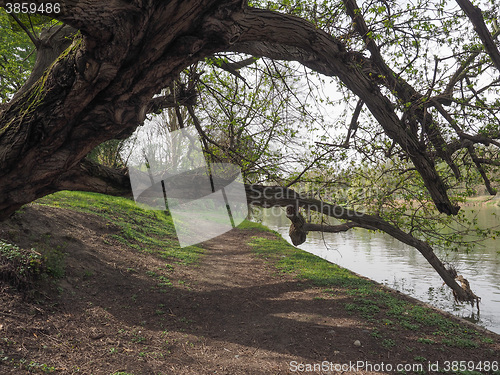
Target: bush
(20,267)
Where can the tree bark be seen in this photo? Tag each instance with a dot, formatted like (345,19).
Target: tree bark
(297,232)
(98,89)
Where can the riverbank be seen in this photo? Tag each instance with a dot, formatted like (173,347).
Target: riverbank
(483,201)
(122,298)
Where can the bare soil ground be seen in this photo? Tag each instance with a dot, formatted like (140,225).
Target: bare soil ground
(116,311)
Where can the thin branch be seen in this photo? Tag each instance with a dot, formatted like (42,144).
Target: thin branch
(481,170)
(488,161)
(296,179)
(354,122)
(197,125)
(34,40)
(234,67)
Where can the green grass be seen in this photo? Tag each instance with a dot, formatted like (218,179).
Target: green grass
(373,303)
(30,367)
(144,230)
(250,225)
(388,344)
(460,342)
(25,261)
(307,266)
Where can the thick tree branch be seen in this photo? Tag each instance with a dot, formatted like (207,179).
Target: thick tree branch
(323,53)
(97,19)
(476,17)
(51,44)
(93,177)
(267,196)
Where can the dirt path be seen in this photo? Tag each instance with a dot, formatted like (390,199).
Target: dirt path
(259,321)
(121,311)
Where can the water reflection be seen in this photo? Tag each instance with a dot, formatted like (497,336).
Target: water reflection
(399,266)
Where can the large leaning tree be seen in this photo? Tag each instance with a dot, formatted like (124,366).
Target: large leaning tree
(106,65)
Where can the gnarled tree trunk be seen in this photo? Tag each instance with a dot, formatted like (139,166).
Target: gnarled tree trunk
(98,89)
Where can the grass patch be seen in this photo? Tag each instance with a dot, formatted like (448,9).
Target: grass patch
(289,259)
(30,367)
(367,308)
(250,225)
(388,344)
(149,231)
(26,268)
(460,342)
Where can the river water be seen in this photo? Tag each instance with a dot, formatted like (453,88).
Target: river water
(390,262)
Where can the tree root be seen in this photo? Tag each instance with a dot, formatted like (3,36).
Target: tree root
(471,297)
